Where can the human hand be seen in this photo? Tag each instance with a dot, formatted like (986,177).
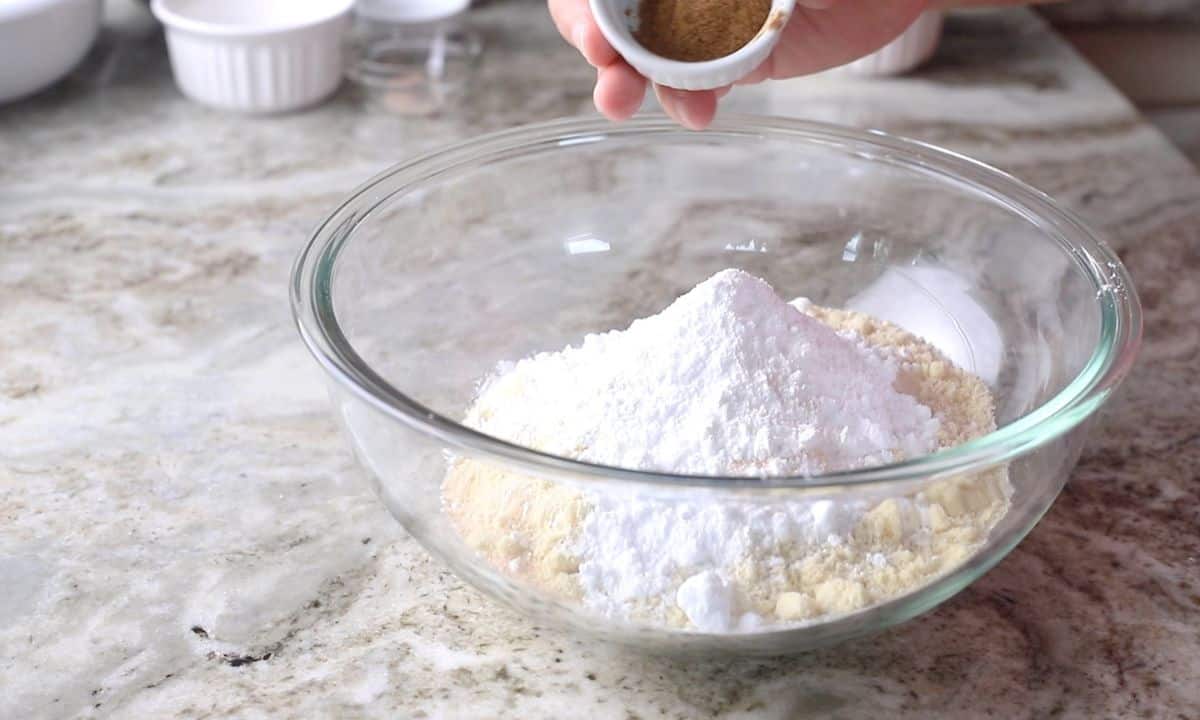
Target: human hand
(820,34)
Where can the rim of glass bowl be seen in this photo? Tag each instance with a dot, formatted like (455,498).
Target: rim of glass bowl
(1120,316)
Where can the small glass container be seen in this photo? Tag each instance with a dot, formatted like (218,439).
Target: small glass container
(413,56)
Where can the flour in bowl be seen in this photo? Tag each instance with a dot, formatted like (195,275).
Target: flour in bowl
(729,380)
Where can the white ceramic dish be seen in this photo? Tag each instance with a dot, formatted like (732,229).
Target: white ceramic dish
(913,47)
(41,40)
(618,18)
(258,56)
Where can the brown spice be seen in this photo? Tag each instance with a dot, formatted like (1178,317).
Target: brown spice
(697,30)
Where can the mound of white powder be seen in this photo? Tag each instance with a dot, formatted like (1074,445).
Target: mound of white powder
(729,380)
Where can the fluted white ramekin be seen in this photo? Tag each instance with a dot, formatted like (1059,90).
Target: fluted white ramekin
(258,56)
(913,47)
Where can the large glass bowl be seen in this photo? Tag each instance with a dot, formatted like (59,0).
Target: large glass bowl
(523,241)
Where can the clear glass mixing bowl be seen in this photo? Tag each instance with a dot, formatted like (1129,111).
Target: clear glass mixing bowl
(523,241)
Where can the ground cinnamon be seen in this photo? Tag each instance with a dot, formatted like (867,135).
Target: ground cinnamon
(697,30)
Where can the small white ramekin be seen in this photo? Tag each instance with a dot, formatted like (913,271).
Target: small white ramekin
(258,56)
(617,18)
(913,47)
(41,40)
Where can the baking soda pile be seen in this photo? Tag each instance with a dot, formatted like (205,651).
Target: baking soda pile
(729,380)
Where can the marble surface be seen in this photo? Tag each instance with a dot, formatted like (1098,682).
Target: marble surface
(1182,126)
(183,532)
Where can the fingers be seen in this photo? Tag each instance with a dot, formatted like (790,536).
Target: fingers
(573,18)
(592,44)
(764,71)
(693,109)
(619,91)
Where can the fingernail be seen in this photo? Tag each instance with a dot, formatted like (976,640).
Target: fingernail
(577,35)
(687,116)
(669,106)
(596,95)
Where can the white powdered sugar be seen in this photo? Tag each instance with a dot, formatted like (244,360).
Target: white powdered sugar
(632,549)
(728,380)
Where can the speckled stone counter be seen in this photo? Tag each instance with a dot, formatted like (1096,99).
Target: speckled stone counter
(184,533)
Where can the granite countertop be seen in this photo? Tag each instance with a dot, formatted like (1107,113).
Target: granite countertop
(184,533)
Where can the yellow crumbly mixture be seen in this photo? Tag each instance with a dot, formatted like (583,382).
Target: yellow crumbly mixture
(526,525)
